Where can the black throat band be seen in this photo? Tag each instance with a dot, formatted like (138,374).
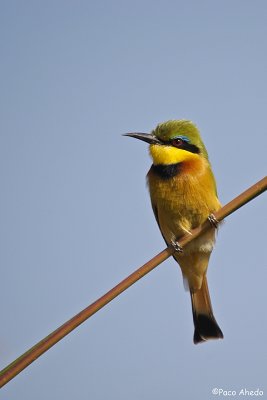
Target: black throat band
(166,171)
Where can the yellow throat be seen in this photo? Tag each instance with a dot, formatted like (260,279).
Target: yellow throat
(170,155)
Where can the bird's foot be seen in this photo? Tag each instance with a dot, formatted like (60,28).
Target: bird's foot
(213,221)
(176,246)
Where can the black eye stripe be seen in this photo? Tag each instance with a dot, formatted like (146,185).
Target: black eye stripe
(184,146)
(190,147)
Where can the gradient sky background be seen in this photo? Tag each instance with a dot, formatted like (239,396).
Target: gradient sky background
(75,211)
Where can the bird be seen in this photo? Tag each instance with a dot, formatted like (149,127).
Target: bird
(183,195)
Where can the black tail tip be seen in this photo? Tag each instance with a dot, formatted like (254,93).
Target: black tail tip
(206,328)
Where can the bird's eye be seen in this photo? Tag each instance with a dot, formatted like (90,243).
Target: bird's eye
(177,142)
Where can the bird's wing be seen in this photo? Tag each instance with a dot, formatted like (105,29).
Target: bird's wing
(155,210)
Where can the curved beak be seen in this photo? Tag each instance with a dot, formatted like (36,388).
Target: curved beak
(146,137)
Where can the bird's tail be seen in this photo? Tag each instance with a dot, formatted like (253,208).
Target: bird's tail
(206,326)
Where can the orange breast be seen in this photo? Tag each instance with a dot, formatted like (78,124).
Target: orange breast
(185,200)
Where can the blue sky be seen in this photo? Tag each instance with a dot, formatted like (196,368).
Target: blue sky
(75,210)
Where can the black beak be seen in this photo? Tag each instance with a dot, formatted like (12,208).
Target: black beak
(146,137)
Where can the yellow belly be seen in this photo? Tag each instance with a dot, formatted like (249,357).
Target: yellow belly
(182,203)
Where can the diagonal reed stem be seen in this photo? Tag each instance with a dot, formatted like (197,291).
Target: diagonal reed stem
(45,344)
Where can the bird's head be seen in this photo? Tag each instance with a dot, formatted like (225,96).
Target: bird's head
(173,142)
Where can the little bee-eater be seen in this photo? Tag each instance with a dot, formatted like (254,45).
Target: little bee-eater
(183,195)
